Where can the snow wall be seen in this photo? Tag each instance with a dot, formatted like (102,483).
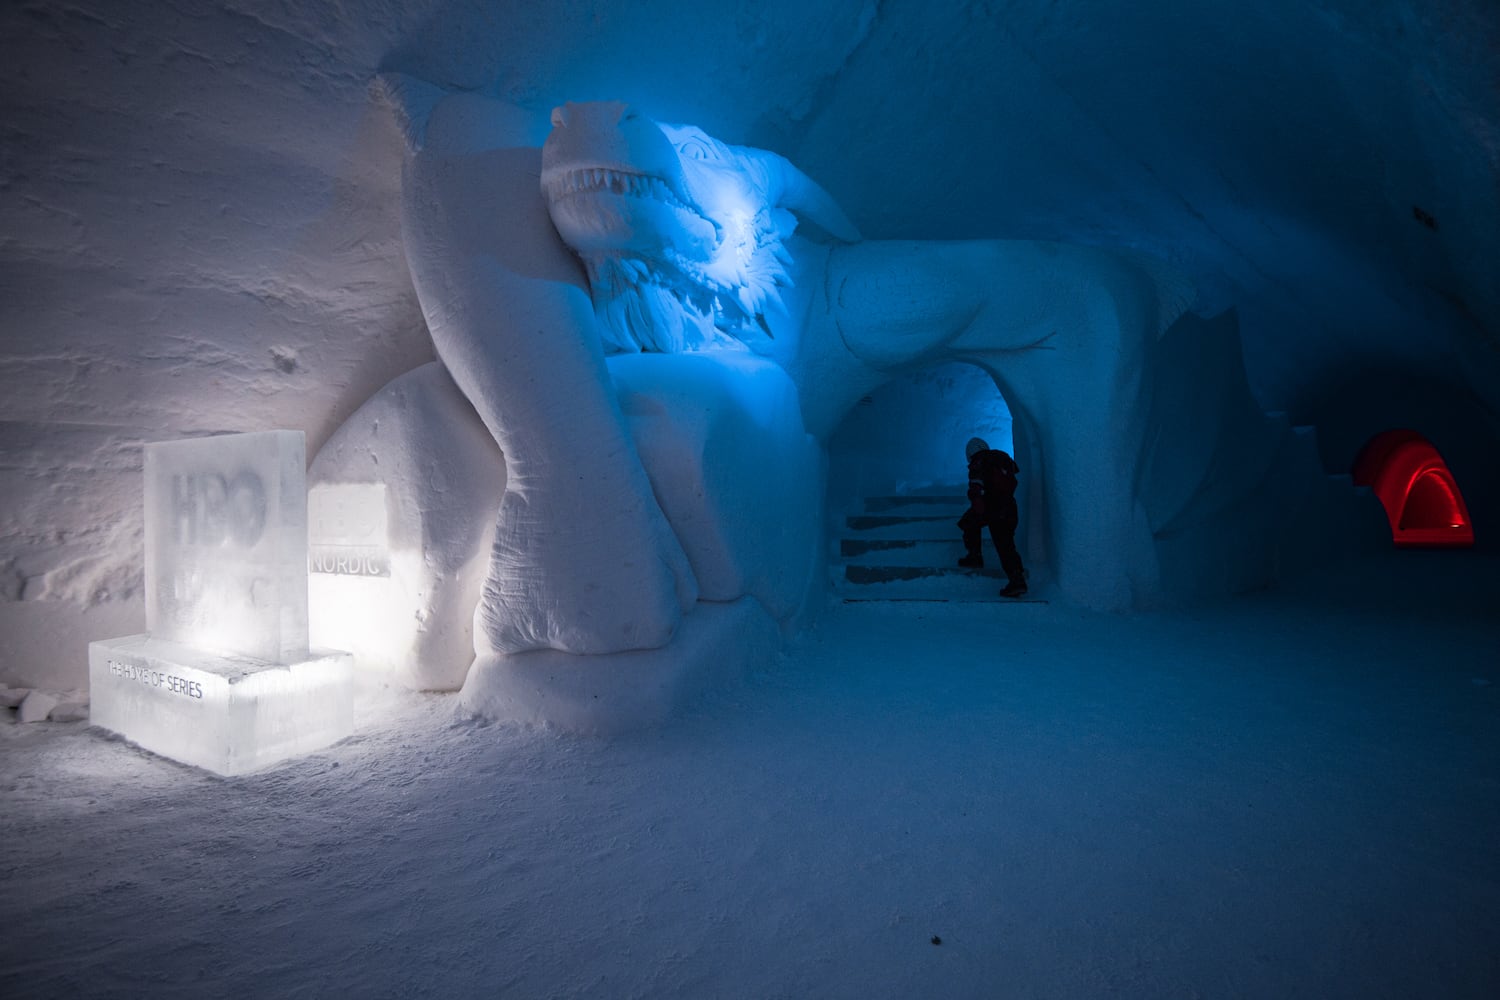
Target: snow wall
(201,228)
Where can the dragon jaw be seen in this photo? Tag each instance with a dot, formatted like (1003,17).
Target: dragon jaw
(607,210)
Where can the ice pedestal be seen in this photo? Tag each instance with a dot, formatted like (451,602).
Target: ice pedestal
(227,714)
(223,677)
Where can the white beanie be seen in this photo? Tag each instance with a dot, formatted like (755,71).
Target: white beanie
(975,446)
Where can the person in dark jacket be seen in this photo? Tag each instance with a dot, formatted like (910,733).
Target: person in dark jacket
(992,503)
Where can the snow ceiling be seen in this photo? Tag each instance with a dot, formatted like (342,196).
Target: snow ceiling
(201,228)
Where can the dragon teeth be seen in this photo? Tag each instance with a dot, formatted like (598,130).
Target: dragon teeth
(590,179)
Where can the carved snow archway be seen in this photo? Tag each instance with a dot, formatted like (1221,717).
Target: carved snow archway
(907,435)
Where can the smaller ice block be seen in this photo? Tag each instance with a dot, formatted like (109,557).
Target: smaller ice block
(226,544)
(225,714)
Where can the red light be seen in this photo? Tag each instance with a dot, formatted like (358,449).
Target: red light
(1420,496)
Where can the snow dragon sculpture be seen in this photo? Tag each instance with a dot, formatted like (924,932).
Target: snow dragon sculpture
(593,301)
(619,547)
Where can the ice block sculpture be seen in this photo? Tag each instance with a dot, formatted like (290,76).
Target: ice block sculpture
(223,677)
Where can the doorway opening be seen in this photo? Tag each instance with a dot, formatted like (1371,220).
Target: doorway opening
(1422,500)
(907,436)
(897,485)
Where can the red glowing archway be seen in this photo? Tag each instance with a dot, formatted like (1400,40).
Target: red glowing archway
(1419,494)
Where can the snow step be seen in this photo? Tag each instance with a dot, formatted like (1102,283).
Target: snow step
(944,600)
(896,585)
(859,546)
(865,522)
(903,551)
(938,529)
(877,505)
(889,574)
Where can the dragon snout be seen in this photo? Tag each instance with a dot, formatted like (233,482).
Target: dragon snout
(608,134)
(593,114)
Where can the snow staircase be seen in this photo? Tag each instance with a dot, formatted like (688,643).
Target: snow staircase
(906,548)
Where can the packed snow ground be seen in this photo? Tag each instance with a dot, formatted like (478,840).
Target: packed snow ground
(1292,794)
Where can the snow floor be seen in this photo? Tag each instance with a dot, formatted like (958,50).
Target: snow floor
(1291,794)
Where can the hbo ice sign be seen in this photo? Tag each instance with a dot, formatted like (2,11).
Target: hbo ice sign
(209,510)
(226,544)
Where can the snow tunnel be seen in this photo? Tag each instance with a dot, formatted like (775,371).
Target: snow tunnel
(1421,498)
(897,478)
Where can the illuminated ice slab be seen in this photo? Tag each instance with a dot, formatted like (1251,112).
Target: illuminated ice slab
(226,544)
(223,677)
(227,714)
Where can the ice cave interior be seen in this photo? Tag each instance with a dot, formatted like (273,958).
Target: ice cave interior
(631,348)
(205,234)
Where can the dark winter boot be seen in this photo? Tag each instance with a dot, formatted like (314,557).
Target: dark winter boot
(1015,588)
(972,561)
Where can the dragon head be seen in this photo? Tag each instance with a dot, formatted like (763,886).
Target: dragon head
(683,235)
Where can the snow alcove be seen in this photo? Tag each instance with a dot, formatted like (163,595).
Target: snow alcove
(633,349)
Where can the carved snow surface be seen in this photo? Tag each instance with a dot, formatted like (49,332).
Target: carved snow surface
(1065,330)
(1076,337)
(737,474)
(719,644)
(583,560)
(645,494)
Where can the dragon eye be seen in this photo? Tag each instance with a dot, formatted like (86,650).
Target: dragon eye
(694,149)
